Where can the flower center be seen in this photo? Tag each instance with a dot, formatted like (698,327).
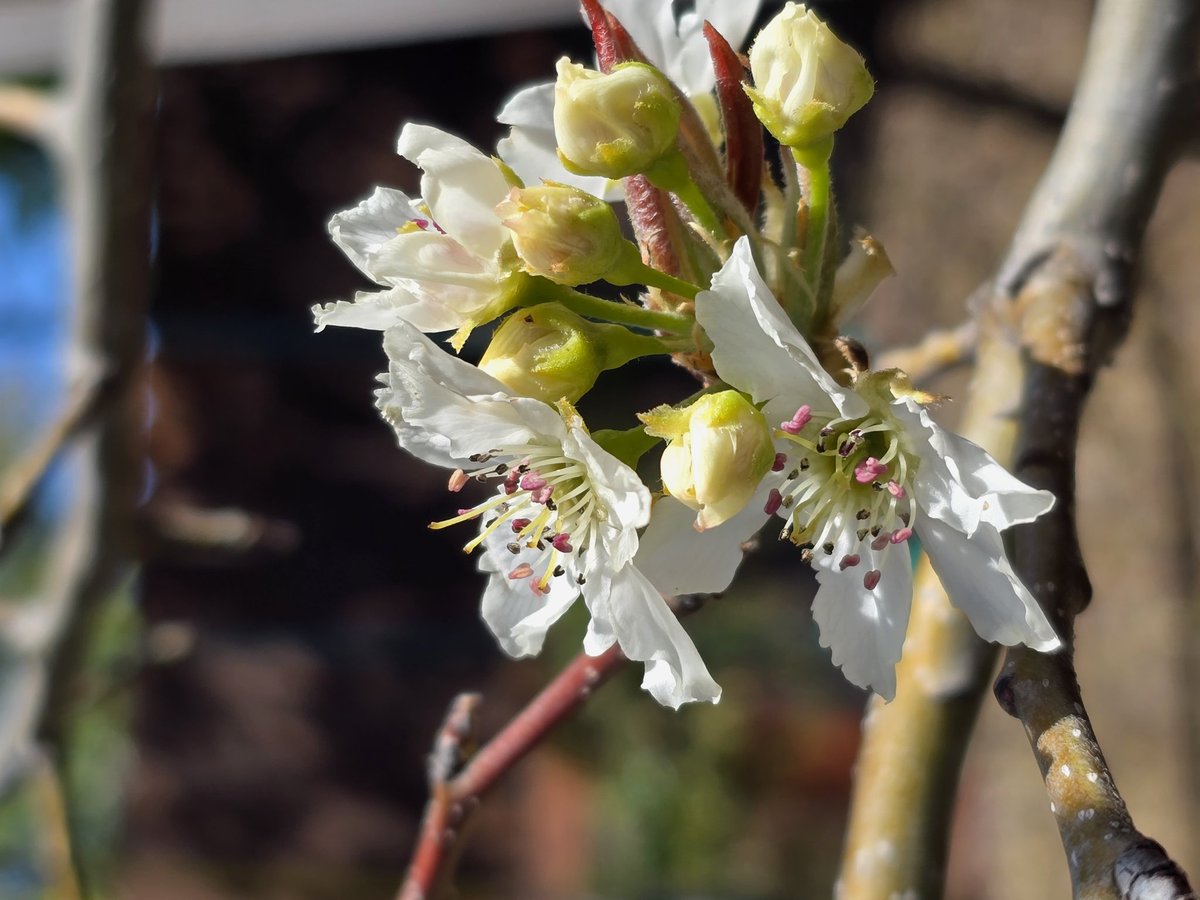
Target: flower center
(844,475)
(547,502)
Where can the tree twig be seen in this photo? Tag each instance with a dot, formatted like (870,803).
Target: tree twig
(1058,307)
(28,112)
(455,792)
(22,478)
(935,353)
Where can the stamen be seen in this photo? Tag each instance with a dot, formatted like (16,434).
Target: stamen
(900,535)
(513,547)
(896,490)
(774,501)
(519,525)
(562,542)
(847,561)
(524,570)
(880,542)
(871,579)
(868,470)
(458,480)
(780,462)
(801,418)
(532,481)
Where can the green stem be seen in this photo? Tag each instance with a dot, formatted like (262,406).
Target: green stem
(820,190)
(671,174)
(623,313)
(630,269)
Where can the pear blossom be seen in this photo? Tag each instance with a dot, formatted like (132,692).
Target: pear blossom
(445,260)
(674,45)
(562,522)
(865,469)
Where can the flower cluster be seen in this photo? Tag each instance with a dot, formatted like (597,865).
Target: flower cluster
(732,279)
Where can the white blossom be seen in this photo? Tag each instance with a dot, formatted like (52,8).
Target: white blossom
(866,468)
(562,522)
(442,257)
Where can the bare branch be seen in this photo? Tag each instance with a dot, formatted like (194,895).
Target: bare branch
(937,352)
(1064,293)
(23,477)
(453,800)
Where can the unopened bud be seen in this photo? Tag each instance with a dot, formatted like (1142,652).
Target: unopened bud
(546,352)
(615,124)
(719,450)
(563,233)
(807,83)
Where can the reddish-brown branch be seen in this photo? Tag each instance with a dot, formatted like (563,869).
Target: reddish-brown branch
(454,797)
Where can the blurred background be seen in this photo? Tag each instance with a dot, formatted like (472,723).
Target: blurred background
(256,708)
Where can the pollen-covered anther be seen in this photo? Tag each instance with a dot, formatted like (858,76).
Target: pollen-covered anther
(532,481)
(458,480)
(871,579)
(846,562)
(896,490)
(542,495)
(868,470)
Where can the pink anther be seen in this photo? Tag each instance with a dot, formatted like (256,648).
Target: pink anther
(780,462)
(458,480)
(524,570)
(847,561)
(871,579)
(532,481)
(881,541)
(801,418)
(896,490)
(519,525)
(774,501)
(562,542)
(868,470)
(900,535)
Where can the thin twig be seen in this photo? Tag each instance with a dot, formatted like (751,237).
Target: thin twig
(1064,292)
(27,112)
(934,354)
(454,797)
(22,478)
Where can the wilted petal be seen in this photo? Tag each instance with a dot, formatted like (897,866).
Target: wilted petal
(364,229)
(380,310)
(980,581)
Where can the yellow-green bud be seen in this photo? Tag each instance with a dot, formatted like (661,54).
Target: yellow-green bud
(719,449)
(615,124)
(546,352)
(563,233)
(807,83)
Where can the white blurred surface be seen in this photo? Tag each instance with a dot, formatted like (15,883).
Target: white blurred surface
(33,32)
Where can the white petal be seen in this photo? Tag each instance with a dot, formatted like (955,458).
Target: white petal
(648,632)
(763,353)
(1007,500)
(959,483)
(615,485)
(364,229)
(865,628)
(980,581)
(518,616)
(381,310)
(531,149)
(460,185)
(444,410)
(678,559)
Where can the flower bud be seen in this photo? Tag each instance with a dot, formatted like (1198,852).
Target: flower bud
(563,233)
(546,352)
(615,124)
(720,448)
(807,83)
